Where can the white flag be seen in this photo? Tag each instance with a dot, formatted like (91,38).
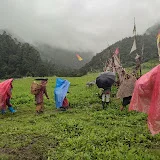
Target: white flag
(116,61)
(134,46)
(137,56)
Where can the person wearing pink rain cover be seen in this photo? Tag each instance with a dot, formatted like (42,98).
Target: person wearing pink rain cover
(146,98)
(5,96)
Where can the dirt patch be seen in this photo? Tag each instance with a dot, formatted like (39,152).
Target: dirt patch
(35,150)
(22,154)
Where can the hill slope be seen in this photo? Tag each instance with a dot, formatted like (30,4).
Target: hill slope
(150,50)
(62,57)
(20,59)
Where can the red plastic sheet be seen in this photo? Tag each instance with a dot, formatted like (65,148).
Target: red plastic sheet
(65,103)
(146,98)
(5,92)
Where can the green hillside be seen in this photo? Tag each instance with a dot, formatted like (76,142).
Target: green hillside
(150,50)
(146,66)
(21,59)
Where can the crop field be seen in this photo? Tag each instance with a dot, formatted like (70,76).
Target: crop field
(84,132)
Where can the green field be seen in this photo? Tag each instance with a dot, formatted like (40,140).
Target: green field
(84,132)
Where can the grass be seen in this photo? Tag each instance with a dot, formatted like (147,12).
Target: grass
(83,132)
(146,66)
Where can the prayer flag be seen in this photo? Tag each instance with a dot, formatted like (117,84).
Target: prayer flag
(79,58)
(134,46)
(116,51)
(134,28)
(158,44)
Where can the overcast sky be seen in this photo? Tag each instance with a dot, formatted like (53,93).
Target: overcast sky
(77,24)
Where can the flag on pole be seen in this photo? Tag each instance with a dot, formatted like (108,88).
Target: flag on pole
(137,56)
(142,49)
(134,28)
(79,58)
(134,47)
(116,51)
(158,44)
(117,62)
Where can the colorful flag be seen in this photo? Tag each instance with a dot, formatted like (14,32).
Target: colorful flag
(158,44)
(79,58)
(116,51)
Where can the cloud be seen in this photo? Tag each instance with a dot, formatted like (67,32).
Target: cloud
(80,25)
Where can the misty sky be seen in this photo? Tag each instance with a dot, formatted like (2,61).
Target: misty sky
(77,24)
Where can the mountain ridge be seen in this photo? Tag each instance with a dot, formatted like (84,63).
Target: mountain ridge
(63,57)
(58,64)
(124,45)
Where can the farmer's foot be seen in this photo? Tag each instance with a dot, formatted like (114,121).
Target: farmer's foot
(37,112)
(41,111)
(3,111)
(11,109)
(103,105)
(121,108)
(62,109)
(107,103)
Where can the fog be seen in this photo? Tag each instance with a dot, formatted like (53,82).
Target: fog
(79,25)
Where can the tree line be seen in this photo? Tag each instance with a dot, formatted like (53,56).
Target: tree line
(19,59)
(125,45)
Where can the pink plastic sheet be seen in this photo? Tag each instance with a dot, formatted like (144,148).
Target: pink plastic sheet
(146,98)
(5,92)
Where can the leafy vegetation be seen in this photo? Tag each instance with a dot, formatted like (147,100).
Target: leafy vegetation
(83,132)
(146,66)
(21,59)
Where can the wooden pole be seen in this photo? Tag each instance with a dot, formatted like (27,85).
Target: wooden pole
(140,69)
(119,58)
(142,52)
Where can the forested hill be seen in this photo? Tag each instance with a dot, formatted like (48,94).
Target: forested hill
(19,59)
(63,57)
(125,45)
